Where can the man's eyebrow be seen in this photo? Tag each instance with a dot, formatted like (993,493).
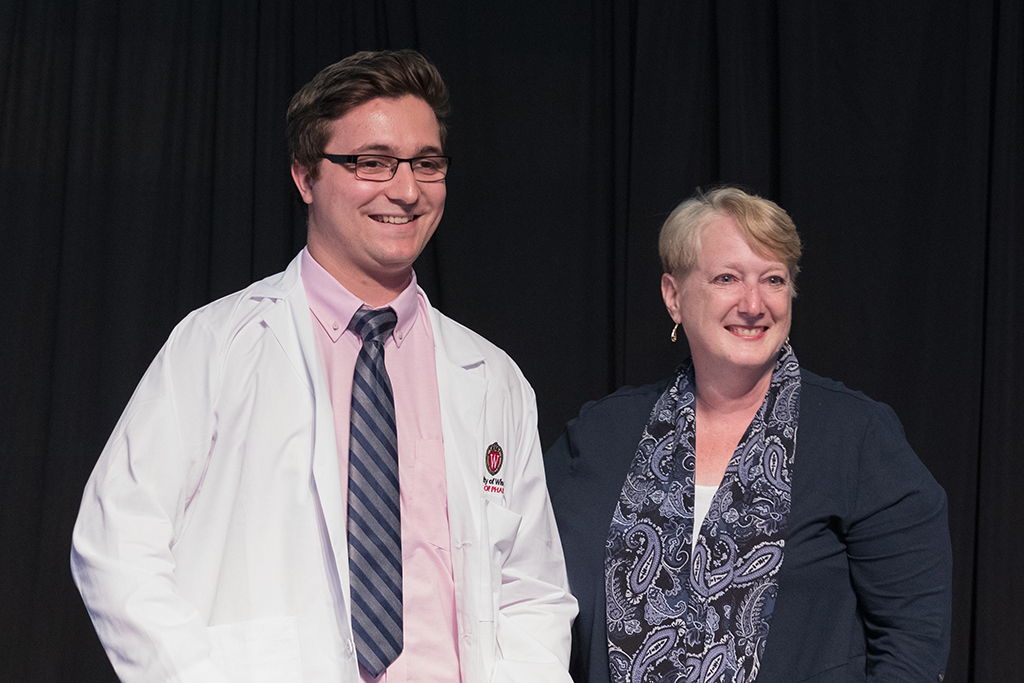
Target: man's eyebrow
(374,148)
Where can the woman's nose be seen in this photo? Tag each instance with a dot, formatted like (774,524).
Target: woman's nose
(751,301)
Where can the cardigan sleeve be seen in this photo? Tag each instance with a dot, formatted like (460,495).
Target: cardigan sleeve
(900,559)
(586,469)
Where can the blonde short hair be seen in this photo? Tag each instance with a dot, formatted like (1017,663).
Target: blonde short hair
(765,226)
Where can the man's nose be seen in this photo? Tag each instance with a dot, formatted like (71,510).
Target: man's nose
(403,186)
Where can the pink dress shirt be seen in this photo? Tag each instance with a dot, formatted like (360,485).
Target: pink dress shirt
(430,631)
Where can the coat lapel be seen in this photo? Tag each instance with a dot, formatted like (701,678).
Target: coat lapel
(462,389)
(462,385)
(292,325)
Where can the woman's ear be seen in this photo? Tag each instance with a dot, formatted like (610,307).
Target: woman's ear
(671,291)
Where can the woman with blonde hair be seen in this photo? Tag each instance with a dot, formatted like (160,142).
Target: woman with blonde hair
(746,519)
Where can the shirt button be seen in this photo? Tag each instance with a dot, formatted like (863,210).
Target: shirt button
(350,649)
(336,325)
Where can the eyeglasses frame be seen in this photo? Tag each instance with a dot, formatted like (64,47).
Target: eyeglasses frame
(342,159)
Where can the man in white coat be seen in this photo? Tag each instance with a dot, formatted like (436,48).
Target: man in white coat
(213,542)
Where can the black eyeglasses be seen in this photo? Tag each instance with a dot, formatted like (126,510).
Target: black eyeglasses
(381,167)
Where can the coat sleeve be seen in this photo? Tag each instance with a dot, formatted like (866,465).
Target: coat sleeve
(900,558)
(133,508)
(535,609)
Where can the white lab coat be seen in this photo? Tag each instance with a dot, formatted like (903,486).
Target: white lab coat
(211,533)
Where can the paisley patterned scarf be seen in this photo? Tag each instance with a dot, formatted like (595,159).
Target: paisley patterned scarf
(700,616)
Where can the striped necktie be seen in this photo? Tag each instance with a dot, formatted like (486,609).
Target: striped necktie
(374,518)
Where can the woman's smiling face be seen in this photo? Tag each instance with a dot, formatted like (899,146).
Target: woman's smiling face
(734,305)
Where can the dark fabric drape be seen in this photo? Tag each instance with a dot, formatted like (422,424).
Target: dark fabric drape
(143,173)
(998,553)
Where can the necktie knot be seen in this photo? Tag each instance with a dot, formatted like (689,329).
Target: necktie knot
(373,324)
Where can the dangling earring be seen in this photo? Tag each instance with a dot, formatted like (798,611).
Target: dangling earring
(674,328)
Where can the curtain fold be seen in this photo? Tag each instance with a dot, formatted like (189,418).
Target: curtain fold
(995,652)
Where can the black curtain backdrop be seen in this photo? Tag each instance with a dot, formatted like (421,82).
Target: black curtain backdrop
(143,173)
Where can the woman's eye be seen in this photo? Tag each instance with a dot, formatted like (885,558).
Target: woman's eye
(724,278)
(777,280)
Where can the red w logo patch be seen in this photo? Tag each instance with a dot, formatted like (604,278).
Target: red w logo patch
(494,458)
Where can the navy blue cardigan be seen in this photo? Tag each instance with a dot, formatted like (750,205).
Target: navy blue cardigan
(865,586)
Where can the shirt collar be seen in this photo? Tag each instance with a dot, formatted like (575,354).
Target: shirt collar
(333,306)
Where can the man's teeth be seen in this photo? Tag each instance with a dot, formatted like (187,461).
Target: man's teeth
(397,220)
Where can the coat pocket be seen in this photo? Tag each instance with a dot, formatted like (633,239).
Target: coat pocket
(258,651)
(502,529)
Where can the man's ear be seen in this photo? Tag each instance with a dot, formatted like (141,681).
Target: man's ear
(303,181)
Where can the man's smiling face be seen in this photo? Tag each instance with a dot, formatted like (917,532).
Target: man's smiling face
(367,233)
